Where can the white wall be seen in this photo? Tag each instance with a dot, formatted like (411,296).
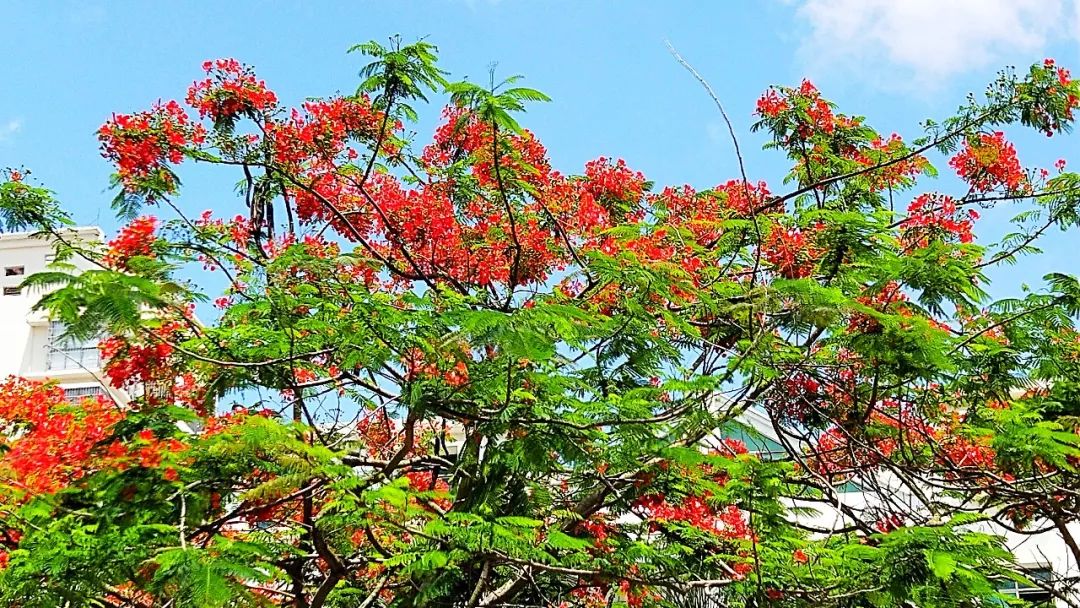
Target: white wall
(24,334)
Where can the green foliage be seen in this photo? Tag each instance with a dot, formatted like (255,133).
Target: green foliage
(26,207)
(571,421)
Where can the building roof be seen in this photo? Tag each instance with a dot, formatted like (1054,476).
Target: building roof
(12,240)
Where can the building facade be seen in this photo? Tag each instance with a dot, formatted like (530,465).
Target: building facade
(33,346)
(1040,550)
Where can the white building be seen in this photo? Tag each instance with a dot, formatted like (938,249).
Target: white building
(32,346)
(1041,553)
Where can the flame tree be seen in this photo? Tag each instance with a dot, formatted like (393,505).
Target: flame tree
(466,378)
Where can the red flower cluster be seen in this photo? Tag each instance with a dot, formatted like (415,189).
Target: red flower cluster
(135,240)
(417,365)
(458,134)
(421,481)
(892,424)
(967,454)
(817,109)
(729,522)
(322,131)
(733,447)
(473,243)
(889,523)
(888,299)
(835,454)
(147,452)
(608,182)
(798,398)
(812,115)
(141,145)
(600,530)
(989,163)
(58,442)
(771,104)
(934,217)
(895,174)
(1062,83)
(743,199)
(377,431)
(791,252)
(230,91)
(702,213)
(190,392)
(238,230)
(1063,75)
(127,362)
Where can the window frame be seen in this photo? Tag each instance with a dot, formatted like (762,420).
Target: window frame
(1017,590)
(75,355)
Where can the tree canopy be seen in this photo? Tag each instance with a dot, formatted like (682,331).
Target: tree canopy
(466,378)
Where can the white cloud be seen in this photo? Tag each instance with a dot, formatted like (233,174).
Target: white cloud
(929,41)
(9,129)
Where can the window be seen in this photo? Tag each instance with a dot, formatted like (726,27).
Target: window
(12,291)
(79,393)
(69,353)
(14,271)
(1031,593)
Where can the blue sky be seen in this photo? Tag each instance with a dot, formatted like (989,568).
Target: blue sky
(616,90)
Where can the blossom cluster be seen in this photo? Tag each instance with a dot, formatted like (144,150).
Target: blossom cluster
(936,218)
(142,145)
(136,239)
(990,162)
(230,90)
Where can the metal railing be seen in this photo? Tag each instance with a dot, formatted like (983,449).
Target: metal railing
(81,392)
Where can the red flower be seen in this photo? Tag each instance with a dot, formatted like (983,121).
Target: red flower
(142,145)
(59,443)
(743,198)
(128,362)
(989,163)
(791,251)
(734,447)
(135,239)
(933,218)
(231,90)
(898,171)
(741,570)
(818,110)
(771,104)
(608,182)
